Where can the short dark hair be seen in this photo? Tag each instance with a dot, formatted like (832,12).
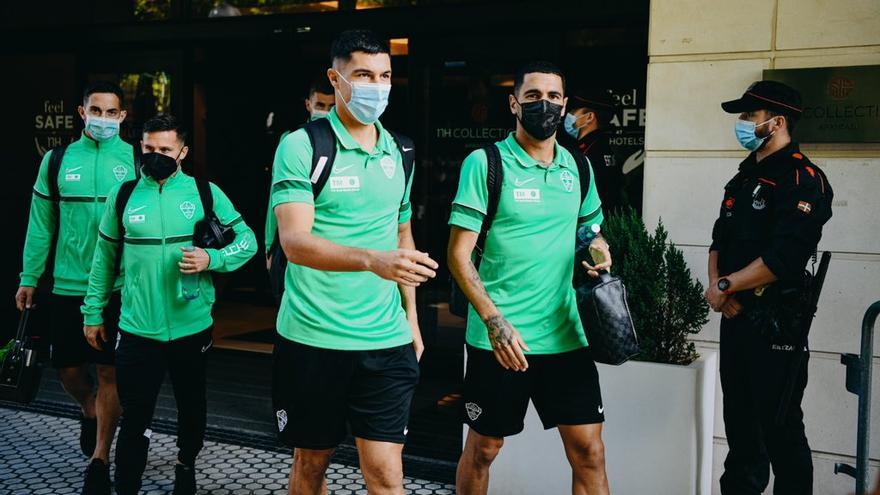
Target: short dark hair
(540,66)
(790,119)
(357,40)
(165,122)
(321,84)
(104,87)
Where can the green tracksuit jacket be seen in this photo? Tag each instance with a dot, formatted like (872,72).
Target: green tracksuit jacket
(158,221)
(88,172)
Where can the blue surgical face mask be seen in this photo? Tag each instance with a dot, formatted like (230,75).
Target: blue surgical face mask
(101,128)
(745,134)
(569,125)
(368,100)
(318,114)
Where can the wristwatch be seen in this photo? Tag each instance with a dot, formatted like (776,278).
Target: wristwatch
(724,286)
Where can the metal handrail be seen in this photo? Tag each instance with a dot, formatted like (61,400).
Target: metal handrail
(858,381)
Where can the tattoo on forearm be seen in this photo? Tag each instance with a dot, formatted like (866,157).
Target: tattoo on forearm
(475,280)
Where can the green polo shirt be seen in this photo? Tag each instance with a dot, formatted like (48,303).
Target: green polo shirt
(528,261)
(360,206)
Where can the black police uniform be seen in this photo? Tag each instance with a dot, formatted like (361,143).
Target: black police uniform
(772,210)
(596,146)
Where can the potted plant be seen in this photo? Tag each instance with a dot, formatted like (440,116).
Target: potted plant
(660,407)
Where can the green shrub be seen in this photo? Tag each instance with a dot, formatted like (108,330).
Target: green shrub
(665,301)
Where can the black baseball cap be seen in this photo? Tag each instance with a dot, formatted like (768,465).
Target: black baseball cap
(592,98)
(767,95)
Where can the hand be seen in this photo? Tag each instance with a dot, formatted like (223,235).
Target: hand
(731,308)
(418,344)
(507,343)
(92,333)
(194,261)
(269,262)
(715,297)
(407,267)
(24,298)
(600,245)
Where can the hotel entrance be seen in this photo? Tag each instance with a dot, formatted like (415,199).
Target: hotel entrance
(238,72)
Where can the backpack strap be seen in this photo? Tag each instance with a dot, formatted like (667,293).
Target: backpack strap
(122,198)
(137,155)
(57,154)
(494,180)
(206,196)
(323,141)
(407,153)
(584,171)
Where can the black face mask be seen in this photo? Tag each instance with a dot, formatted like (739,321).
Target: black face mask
(158,166)
(540,118)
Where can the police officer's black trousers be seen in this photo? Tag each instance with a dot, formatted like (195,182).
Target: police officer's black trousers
(141,365)
(753,374)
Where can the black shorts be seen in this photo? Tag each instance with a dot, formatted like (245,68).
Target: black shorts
(69,346)
(317,392)
(564,388)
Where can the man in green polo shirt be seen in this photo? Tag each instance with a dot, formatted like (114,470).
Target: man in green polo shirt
(525,339)
(349,338)
(71,200)
(167,297)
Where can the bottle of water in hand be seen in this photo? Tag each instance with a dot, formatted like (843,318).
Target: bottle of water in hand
(189,282)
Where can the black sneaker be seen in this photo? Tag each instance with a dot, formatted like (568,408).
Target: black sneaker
(97,478)
(184,480)
(88,432)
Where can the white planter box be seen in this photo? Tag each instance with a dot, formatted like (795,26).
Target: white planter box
(658,435)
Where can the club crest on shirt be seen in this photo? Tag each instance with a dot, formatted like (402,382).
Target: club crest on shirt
(188,209)
(473,410)
(567,179)
(120,171)
(388,166)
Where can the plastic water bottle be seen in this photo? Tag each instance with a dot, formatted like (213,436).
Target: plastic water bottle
(585,235)
(189,282)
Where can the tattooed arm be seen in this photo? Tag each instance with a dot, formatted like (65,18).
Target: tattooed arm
(506,341)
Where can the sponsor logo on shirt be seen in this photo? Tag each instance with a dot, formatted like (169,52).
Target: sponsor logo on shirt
(137,218)
(339,170)
(567,179)
(388,166)
(69,176)
(120,171)
(520,183)
(527,195)
(345,183)
(188,209)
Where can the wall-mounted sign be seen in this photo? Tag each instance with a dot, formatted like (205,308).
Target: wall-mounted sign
(841,104)
(54,124)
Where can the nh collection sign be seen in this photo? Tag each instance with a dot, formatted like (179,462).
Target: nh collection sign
(841,104)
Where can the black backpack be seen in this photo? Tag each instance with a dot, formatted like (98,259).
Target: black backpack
(458,302)
(208,232)
(323,141)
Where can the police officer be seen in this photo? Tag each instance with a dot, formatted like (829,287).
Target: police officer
(320,101)
(771,220)
(518,349)
(587,122)
(70,198)
(167,296)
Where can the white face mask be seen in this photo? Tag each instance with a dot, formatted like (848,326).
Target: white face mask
(368,100)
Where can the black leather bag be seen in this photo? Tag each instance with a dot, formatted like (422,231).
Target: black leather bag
(209,233)
(608,325)
(20,371)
